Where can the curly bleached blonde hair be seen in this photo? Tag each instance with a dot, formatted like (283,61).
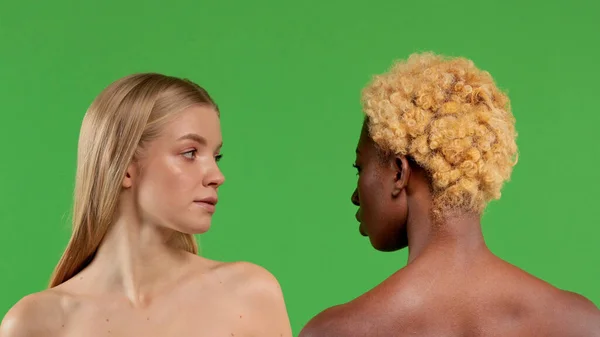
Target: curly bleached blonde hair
(452,120)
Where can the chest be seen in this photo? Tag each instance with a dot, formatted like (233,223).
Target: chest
(193,317)
(204,327)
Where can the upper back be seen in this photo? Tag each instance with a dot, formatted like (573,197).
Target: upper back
(487,299)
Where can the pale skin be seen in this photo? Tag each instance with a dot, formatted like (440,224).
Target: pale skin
(137,285)
(453,285)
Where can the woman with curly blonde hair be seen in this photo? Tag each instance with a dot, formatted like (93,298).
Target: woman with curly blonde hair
(437,144)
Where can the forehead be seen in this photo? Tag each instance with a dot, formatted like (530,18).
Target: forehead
(201,120)
(365,143)
(369,151)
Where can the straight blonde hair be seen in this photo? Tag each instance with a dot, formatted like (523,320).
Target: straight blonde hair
(120,121)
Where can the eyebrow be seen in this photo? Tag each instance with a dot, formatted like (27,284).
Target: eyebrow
(198,139)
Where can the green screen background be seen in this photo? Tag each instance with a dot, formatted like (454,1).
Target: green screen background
(287,77)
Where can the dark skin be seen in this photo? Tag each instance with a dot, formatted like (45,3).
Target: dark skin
(452,285)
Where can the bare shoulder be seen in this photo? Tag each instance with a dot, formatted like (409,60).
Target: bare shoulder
(246,278)
(338,320)
(255,285)
(554,310)
(572,314)
(38,314)
(257,295)
(243,282)
(577,315)
(541,304)
(387,308)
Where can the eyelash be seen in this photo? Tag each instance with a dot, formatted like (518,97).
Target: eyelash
(194,151)
(357,168)
(190,151)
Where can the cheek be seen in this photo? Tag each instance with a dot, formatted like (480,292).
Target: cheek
(369,193)
(376,206)
(179,177)
(167,184)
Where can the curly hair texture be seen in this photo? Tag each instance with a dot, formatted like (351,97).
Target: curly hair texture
(452,120)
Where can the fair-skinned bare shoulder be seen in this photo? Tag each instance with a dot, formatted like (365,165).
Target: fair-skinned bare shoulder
(34,315)
(247,288)
(263,310)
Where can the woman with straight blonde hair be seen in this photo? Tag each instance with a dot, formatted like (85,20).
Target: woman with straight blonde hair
(147,181)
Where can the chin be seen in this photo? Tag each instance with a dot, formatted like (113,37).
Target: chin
(194,227)
(391,249)
(197,229)
(386,248)
(385,244)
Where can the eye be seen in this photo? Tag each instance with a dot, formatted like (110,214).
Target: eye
(191,154)
(218,157)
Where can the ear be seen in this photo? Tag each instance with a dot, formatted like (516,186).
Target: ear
(129,176)
(402,172)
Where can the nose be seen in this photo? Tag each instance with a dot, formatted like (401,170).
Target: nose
(215,178)
(354,198)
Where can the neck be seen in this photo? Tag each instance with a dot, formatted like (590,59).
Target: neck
(457,235)
(135,259)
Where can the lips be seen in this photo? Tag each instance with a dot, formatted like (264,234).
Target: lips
(209,200)
(208,203)
(360,226)
(361,230)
